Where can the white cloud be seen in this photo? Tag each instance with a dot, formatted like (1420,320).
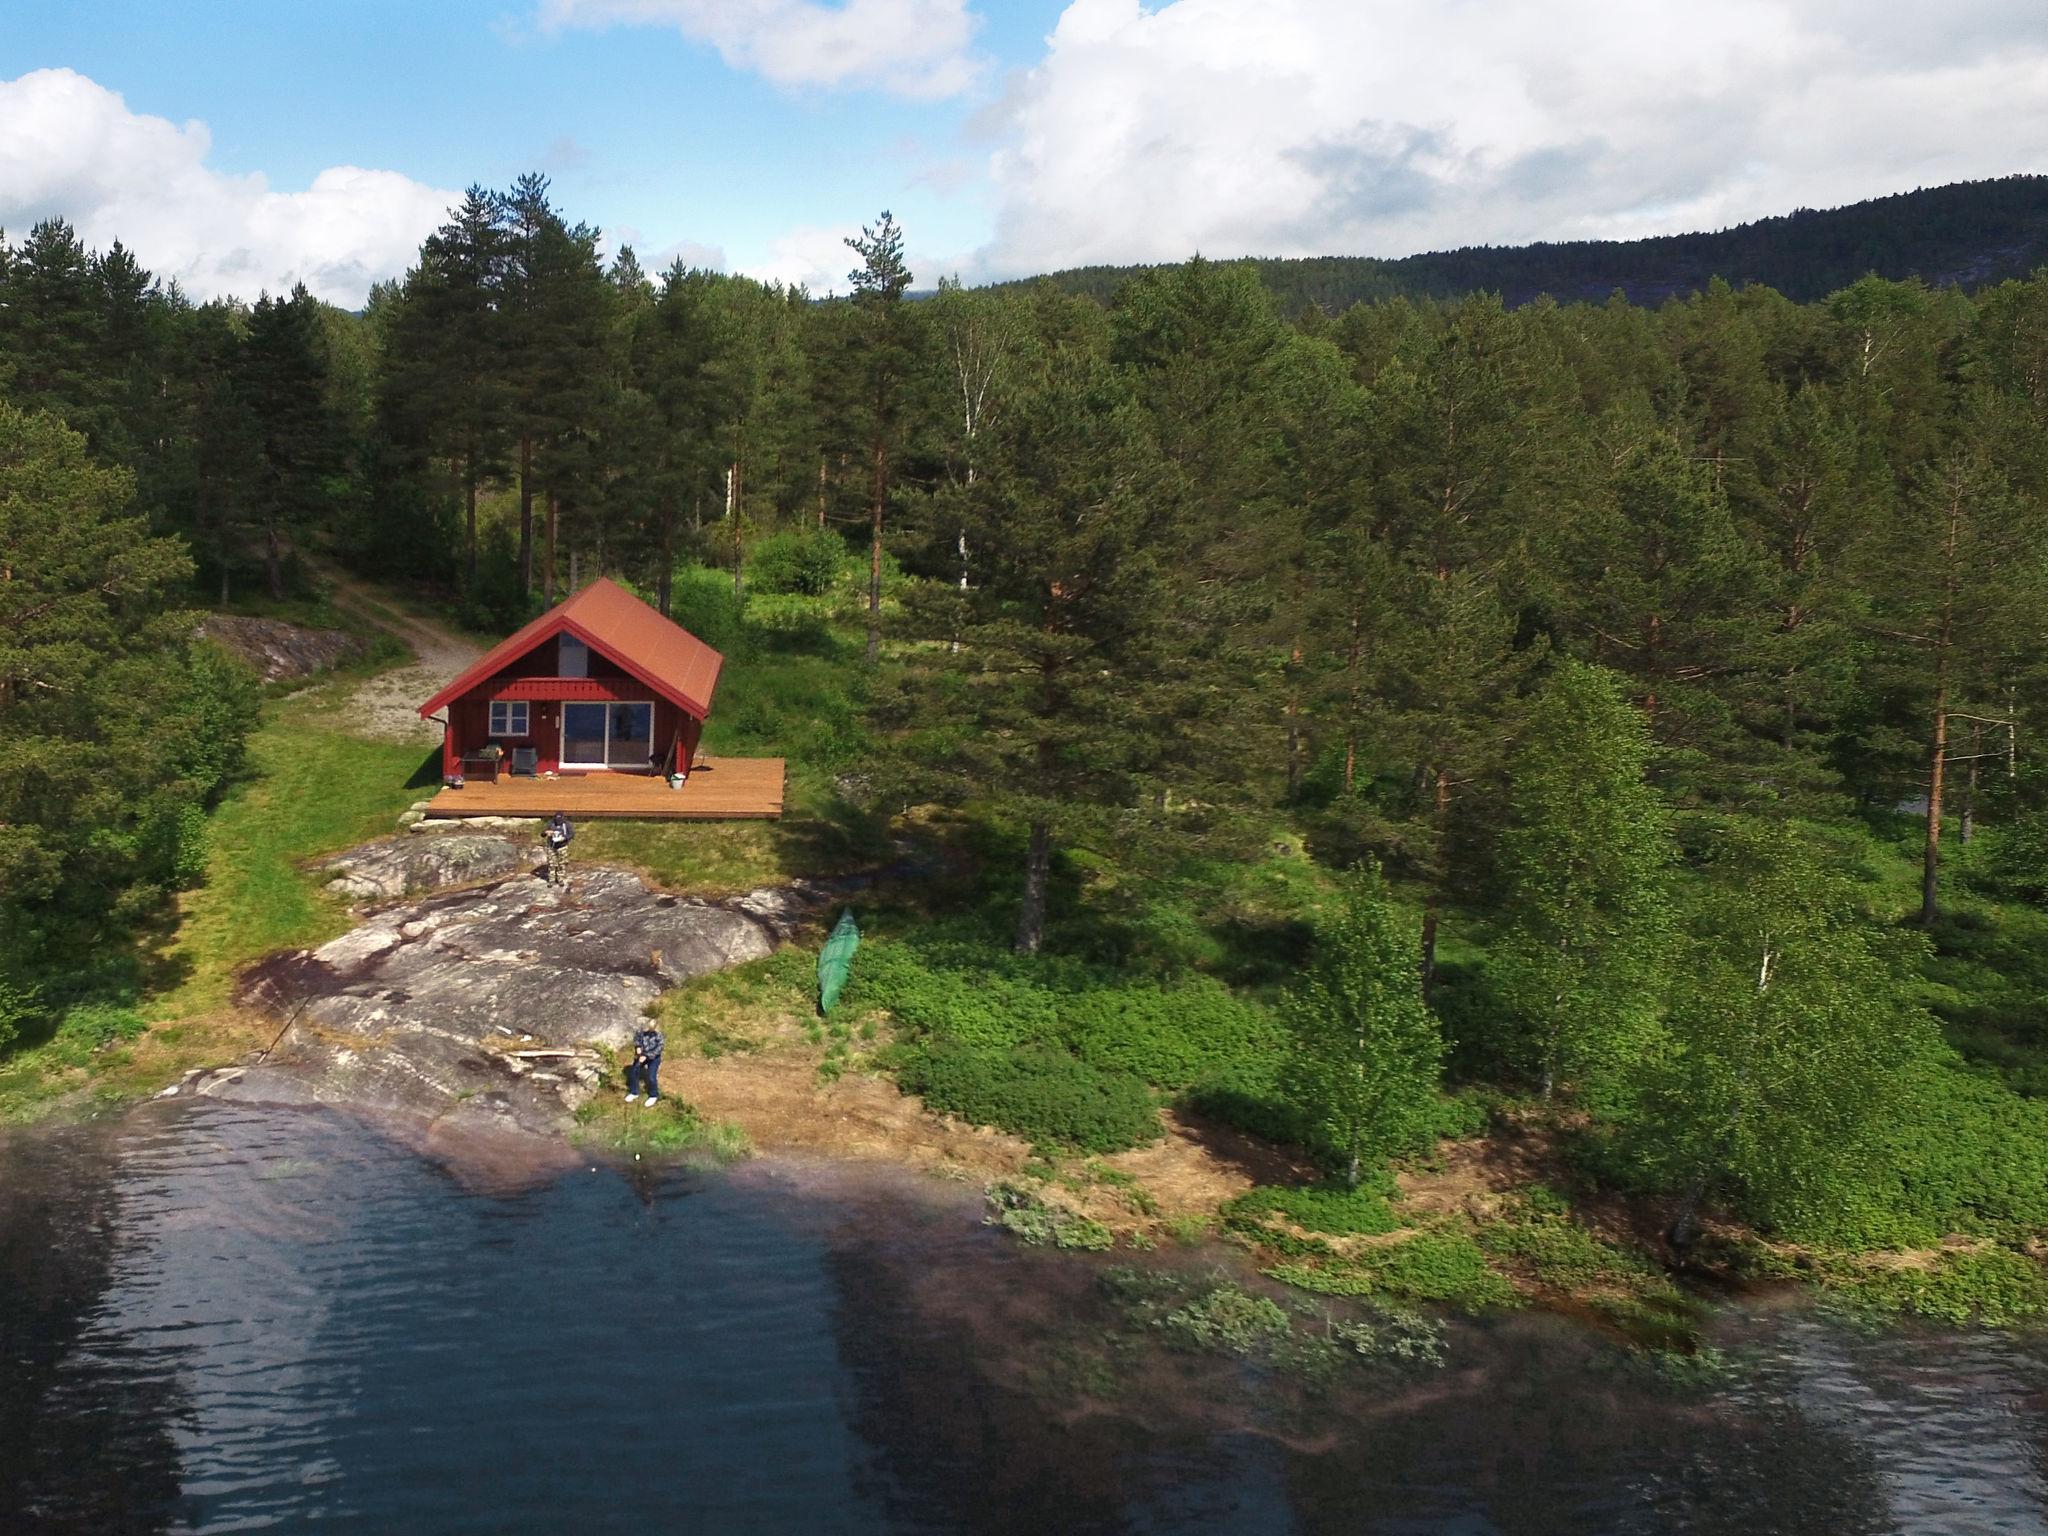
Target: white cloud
(917,48)
(71,148)
(691,253)
(811,255)
(1298,127)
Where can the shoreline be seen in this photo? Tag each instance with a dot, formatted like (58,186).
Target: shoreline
(862,1128)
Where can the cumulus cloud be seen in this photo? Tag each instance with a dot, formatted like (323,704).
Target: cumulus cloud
(917,48)
(813,256)
(70,148)
(1299,127)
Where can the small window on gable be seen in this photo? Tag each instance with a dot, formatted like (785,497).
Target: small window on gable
(508,718)
(573,657)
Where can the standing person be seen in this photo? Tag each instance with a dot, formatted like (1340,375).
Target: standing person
(556,835)
(643,1071)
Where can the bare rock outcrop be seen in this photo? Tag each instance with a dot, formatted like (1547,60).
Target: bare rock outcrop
(279,651)
(482,1008)
(393,867)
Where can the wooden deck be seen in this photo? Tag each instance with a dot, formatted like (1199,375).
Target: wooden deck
(720,789)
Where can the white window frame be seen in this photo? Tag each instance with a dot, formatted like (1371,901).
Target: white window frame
(604,762)
(511,717)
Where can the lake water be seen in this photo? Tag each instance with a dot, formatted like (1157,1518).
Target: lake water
(216,1318)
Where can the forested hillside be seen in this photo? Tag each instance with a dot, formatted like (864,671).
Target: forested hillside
(1965,235)
(1630,712)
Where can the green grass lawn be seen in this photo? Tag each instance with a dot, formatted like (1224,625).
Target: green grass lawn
(310,790)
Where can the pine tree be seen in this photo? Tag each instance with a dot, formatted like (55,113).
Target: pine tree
(1661,587)
(1065,700)
(450,351)
(52,329)
(557,315)
(1451,677)
(1958,575)
(223,478)
(886,361)
(284,372)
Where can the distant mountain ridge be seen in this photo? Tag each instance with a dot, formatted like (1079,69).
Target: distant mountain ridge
(1966,234)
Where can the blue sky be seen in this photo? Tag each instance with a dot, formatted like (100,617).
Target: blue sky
(1007,135)
(641,128)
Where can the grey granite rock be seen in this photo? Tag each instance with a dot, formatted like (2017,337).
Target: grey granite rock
(485,1005)
(405,866)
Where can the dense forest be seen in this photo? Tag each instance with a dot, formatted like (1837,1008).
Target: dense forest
(1600,659)
(1962,235)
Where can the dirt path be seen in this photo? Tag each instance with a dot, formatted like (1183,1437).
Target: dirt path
(775,1094)
(386,707)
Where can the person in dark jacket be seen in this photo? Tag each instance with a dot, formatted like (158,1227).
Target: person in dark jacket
(556,835)
(643,1071)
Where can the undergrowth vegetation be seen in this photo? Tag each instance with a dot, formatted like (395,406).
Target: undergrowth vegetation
(671,1130)
(1057,1049)
(1213,1314)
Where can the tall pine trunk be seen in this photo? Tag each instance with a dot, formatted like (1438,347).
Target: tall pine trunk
(526,514)
(1294,733)
(273,559)
(733,492)
(1352,707)
(665,585)
(1966,822)
(469,524)
(876,493)
(1937,772)
(554,518)
(1439,858)
(1037,870)
(1684,1229)
(1937,750)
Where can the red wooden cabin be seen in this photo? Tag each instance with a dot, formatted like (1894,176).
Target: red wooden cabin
(600,683)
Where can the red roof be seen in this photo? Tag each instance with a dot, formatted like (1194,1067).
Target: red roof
(624,630)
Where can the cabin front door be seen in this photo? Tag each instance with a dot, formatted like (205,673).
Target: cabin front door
(617,736)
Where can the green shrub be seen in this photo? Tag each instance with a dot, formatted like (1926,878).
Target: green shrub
(1170,1036)
(703,602)
(1227,1320)
(1992,1286)
(2012,859)
(1214,1315)
(1561,1254)
(1963,1154)
(802,563)
(674,1130)
(983,1010)
(90,1027)
(1035,1091)
(17,1007)
(1032,1219)
(1323,1208)
(1431,1266)
(188,856)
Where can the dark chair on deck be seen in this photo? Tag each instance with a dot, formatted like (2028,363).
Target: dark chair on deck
(525,762)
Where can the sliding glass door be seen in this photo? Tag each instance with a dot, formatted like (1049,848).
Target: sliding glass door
(607,735)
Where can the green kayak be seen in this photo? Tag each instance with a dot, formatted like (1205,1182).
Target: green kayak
(835,960)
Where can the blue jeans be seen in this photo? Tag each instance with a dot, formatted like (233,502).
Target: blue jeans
(640,1078)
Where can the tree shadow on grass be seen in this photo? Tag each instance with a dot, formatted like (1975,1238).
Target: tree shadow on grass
(1253,1156)
(428,774)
